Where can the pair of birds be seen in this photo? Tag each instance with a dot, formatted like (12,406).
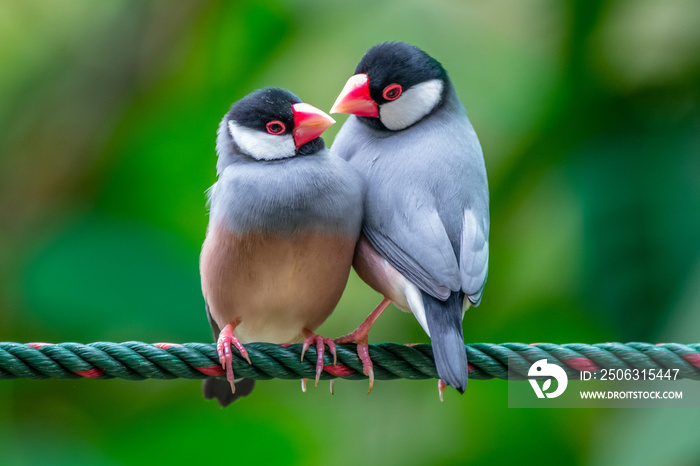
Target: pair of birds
(402,196)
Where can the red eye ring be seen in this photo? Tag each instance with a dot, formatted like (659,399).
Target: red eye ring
(275,127)
(392,92)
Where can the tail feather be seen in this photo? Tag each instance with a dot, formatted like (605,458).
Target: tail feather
(221,390)
(445,324)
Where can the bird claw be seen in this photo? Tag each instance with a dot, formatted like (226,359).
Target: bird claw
(442,386)
(360,338)
(320,343)
(223,348)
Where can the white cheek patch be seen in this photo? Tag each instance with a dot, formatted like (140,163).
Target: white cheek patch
(415,103)
(260,145)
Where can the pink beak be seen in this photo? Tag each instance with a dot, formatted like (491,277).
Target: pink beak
(309,123)
(355,99)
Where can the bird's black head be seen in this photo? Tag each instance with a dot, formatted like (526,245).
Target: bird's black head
(395,85)
(273,124)
(397,63)
(267,110)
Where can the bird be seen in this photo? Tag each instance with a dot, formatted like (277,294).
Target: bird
(424,243)
(284,218)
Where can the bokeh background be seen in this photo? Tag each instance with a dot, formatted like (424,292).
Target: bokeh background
(589,116)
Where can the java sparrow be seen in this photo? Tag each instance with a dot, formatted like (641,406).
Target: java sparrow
(284,219)
(424,242)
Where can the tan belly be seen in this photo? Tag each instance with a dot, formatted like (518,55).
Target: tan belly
(276,286)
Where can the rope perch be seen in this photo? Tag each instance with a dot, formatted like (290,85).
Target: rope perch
(134,360)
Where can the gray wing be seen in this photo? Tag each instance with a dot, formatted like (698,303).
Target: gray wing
(413,240)
(474,254)
(419,247)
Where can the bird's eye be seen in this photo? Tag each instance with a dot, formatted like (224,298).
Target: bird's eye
(275,127)
(392,92)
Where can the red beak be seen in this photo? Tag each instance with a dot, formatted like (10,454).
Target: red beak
(355,99)
(309,123)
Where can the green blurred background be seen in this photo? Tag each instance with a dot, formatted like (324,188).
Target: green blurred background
(589,116)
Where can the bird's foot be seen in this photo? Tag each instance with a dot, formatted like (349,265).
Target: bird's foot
(360,337)
(320,343)
(442,386)
(223,348)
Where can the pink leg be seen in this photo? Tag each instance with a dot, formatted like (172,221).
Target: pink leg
(442,386)
(223,347)
(360,335)
(319,341)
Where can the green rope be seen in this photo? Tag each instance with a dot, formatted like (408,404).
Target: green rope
(137,361)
